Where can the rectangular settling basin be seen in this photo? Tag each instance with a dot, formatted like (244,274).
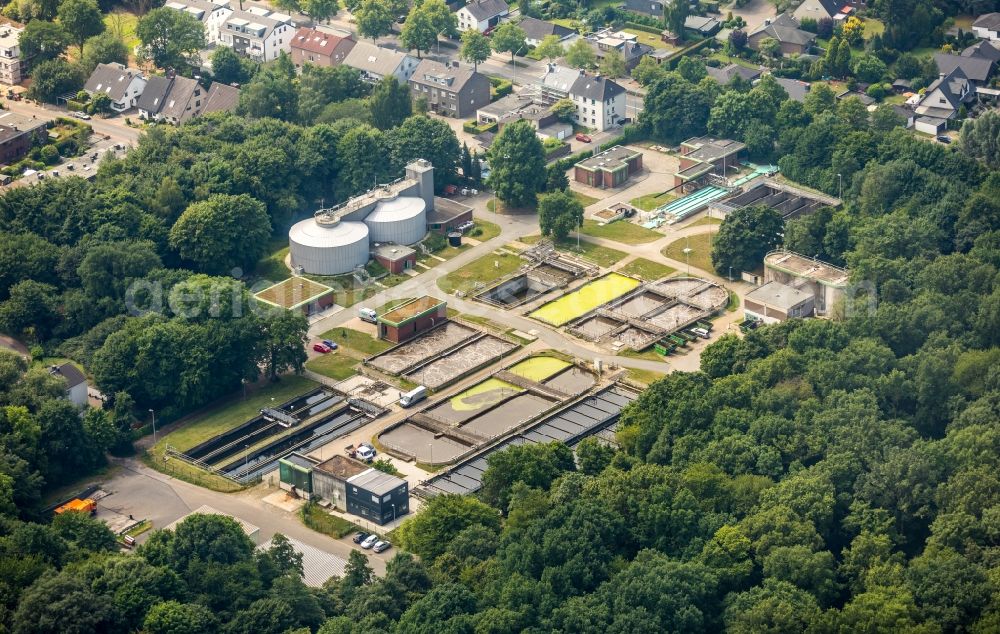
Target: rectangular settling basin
(465,405)
(585,299)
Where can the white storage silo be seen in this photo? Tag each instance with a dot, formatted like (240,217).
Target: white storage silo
(398,219)
(325,245)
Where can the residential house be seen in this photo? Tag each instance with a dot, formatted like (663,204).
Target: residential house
(784,29)
(976,69)
(796,89)
(906,114)
(600,102)
(313,46)
(627,44)
(860,96)
(728,73)
(10,54)
(984,49)
(944,97)
(376,62)
(172,99)
(987,27)
(610,168)
(702,25)
(482,15)
(212,15)
(449,89)
(122,85)
(257,33)
(652,8)
(536,30)
(17,136)
(702,157)
(221,98)
(534,109)
(76,383)
(817,10)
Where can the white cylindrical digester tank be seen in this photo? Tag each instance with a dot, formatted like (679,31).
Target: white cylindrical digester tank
(398,219)
(324,245)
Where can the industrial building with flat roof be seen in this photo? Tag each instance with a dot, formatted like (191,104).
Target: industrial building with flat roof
(775,302)
(790,202)
(298,293)
(412,318)
(825,282)
(610,168)
(701,156)
(378,496)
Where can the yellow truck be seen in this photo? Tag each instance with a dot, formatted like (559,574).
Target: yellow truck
(77,505)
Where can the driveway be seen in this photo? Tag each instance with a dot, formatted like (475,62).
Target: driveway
(754,12)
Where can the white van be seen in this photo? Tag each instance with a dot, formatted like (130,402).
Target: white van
(368,314)
(415,395)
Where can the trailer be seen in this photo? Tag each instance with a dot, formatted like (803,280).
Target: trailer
(77,505)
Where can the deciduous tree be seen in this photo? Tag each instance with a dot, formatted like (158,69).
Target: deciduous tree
(509,38)
(81,19)
(206,234)
(744,237)
(550,48)
(517,165)
(559,213)
(170,38)
(475,48)
(579,54)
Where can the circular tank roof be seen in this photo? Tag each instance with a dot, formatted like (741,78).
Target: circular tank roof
(398,208)
(312,234)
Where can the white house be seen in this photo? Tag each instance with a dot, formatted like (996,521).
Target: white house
(987,27)
(482,15)
(816,10)
(76,383)
(258,33)
(10,54)
(212,15)
(376,62)
(944,97)
(122,85)
(600,102)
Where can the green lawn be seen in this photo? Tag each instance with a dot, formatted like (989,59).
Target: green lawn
(649,202)
(650,39)
(647,269)
(583,199)
(705,220)
(485,269)
(873,27)
(336,365)
(122,24)
(356,341)
(646,377)
(488,230)
(620,231)
(272,267)
(701,251)
(648,354)
(725,59)
(320,521)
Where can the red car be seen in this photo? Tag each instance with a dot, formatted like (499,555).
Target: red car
(321,347)
(583,138)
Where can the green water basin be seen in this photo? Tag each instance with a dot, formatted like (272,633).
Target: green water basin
(538,369)
(585,299)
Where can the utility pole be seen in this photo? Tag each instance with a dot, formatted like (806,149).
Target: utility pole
(153,414)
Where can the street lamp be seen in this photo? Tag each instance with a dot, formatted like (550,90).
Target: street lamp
(153,414)
(514,62)
(840,185)
(393,513)
(687,254)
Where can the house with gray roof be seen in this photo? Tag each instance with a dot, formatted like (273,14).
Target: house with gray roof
(376,63)
(536,30)
(600,102)
(627,44)
(652,8)
(944,97)
(482,15)
(817,10)
(257,33)
(976,69)
(449,89)
(221,98)
(76,383)
(784,29)
(728,73)
(704,26)
(212,15)
(796,89)
(984,49)
(987,27)
(122,85)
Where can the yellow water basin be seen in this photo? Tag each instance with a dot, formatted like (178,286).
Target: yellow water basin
(585,299)
(539,368)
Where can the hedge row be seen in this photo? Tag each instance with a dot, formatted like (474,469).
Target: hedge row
(471,127)
(655,30)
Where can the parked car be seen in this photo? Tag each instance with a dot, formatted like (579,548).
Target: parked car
(370,541)
(944,138)
(700,332)
(80,115)
(321,347)
(365,452)
(382,546)
(329,344)
(583,138)
(360,537)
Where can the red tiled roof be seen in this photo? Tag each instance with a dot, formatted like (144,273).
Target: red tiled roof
(314,41)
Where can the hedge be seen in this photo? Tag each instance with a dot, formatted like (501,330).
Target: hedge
(500,87)
(631,17)
(73,104)
(644,28)
(471,127)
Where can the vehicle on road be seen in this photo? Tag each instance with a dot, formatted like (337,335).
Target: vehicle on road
(80,115)
(368,314)
(365,452)
(382,546)
(321,347)
(944,139)
(329,344)
(583,138)
(701,332)
(360,537)
(76,505)
(414,396)
(370,541)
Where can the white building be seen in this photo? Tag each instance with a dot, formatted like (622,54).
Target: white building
(482,15)
(76,383)
(211,14)
(376,63)
(10,54)
(987,27)
(122,85)
(600,102)
(257,33)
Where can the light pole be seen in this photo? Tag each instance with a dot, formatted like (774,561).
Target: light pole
(687,254)
(153,414)
(393,513)
(840,186)
(514,62)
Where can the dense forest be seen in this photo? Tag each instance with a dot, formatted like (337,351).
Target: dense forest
(826,476)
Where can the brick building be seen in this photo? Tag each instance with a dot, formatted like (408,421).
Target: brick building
(412,318)
(396,258)
(312,46)
(610,168)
